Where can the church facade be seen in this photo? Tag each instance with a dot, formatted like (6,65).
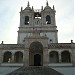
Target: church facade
(37,43)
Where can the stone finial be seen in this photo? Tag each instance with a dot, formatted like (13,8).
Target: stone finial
(21,8)
(71,41)
(2,42)
(53,7)
(42,8)
(32,8)
(28,4)
(47,3)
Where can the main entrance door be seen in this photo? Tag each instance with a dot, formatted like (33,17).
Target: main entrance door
(37,60)
(36,54)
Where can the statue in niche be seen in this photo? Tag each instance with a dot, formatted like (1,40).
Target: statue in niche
(9,60)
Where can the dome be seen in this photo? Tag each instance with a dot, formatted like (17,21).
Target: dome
(28,8)
(47,7)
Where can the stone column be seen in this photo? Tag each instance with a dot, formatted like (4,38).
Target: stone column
(45,57)
(12,59)
(26,57)
(73,57)
(32,19)
(59,57)
(42,18)
(1,57)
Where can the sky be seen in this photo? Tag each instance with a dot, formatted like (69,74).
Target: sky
(10,18)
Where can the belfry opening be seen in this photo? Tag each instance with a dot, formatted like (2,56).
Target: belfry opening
(36,54)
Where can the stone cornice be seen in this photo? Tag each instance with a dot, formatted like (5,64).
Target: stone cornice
(11,46)
(50,46)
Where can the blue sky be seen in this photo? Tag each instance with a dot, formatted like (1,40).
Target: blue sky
(10,18)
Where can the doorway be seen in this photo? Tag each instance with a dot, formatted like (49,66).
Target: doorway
(36,54)
(37,60)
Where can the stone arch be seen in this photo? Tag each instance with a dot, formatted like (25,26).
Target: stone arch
(53,57)
(18,57)
(35,51)
(26,20)
(36,46)
(7,56)
(66,57)
(48,19)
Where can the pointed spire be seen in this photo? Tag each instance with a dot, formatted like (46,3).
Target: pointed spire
(28,4)
(47,3)
(21,8)
(42,8)
(32,8)
(53,7)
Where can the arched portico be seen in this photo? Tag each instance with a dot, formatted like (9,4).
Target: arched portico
(7,56)
(36,54)
(66,57)
(53,57)
(18,57)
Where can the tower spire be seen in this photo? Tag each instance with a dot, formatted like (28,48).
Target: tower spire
(46,3)
(28,4)
(53,7)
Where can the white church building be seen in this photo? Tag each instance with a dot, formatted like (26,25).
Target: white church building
(37,44)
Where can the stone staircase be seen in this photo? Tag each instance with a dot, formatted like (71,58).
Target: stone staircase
(35,70)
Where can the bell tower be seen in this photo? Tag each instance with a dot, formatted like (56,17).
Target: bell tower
(37,23)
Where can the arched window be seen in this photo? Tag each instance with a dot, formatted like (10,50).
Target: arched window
(53,57)
(65,56)
(26,20)
(18,57)
(48,19)
(7,56)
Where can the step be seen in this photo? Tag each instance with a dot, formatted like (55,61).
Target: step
(35,70)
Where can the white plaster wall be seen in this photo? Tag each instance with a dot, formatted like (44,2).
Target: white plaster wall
(52,35)
(21,37)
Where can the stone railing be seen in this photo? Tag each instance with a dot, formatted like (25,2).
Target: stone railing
(11,46)
(62,45)
(51,45)
(38,28)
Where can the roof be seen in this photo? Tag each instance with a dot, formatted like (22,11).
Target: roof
(50,46)
(61,46)
(12,46)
